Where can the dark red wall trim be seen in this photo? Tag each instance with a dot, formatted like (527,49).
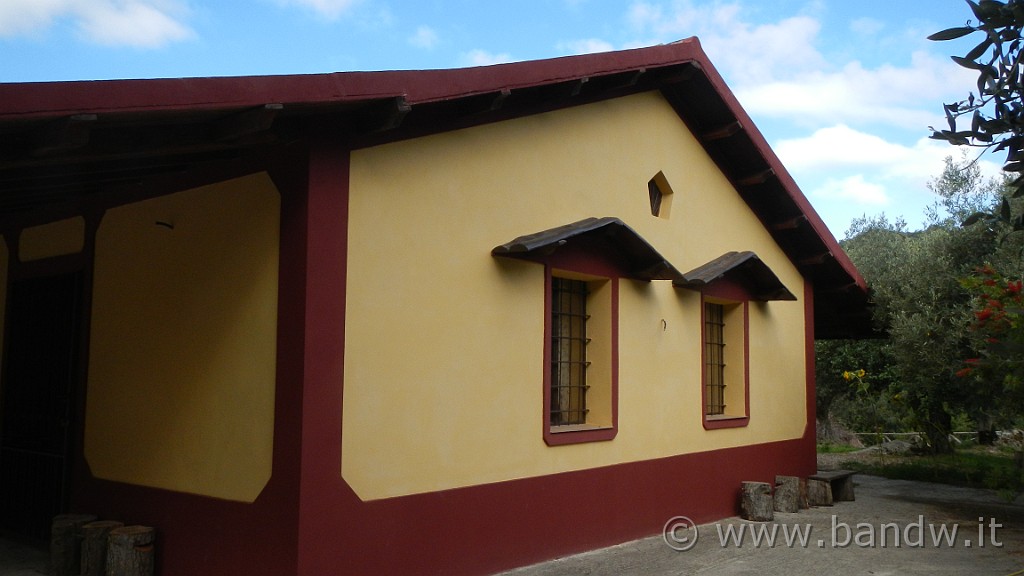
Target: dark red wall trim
(811,432)
(324,509)
(493,527)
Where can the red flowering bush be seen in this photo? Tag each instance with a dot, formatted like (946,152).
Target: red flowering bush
(998,328)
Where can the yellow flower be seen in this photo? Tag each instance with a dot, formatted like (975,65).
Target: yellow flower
(860,373)
(847,375)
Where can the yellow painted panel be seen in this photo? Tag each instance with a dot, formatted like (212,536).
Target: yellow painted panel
(183,341)
(52,239)
(444,348)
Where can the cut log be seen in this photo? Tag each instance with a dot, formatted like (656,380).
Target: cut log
(819,492)
(804,500)
(130,551)
(66,543)
(756,502)
(787,494)
(94,546)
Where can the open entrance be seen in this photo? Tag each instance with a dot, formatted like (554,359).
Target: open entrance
(37,403)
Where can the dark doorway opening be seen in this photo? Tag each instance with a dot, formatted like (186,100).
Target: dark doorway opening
(37,401)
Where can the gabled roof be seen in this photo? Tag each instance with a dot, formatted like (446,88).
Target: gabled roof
(64,142)
(743,267)
(610,236)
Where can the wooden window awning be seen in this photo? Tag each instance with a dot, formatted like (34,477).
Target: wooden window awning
(743,268)
(607,237)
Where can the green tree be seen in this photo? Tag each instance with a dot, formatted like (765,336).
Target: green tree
(915,281)
(861,402)
(962,193)
(996,112)
(996,109)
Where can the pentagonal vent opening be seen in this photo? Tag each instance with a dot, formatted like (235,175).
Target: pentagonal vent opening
(661,195)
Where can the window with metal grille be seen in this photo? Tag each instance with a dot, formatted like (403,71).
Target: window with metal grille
(568,351)
(714,358)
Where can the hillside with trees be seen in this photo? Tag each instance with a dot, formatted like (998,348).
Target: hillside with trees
(949,296)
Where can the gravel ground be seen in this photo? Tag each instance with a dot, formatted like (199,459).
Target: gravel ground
(989,539)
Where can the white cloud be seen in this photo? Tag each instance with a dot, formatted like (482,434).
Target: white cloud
(866,26)
(28,16)
(907,97)
(130,23)
(330,9)
(840,148)
(483,58)
(864,159)
(750,53)
(855,189)
(777,69)
(852,172)
(139,23)
(425,37)
(585,46)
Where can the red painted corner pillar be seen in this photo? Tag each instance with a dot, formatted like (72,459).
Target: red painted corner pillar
(324,348)
(809,440)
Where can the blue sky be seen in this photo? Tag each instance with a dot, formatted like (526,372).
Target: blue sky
(843,90)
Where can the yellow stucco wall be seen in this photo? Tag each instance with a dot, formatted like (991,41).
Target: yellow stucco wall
(183,341)
(444,347)
(52,239)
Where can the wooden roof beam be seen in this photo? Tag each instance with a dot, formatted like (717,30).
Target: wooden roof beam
(632,79)
(722,131)
(755,179)
(815,260)
(840,288)
(247,123)
(576,86)
(392,115)
(789,224)
(63,134)
(682,73)
(484,103)
(499,99)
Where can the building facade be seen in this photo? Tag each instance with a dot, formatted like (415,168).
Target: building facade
(443,321)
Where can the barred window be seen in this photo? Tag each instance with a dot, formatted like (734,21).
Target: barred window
(714,358)
(568,352)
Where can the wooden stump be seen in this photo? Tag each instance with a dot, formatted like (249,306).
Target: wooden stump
(787,494)
(756,502)
(94,546)
(130,551)
(66,543)
(819,492)
(804,499)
